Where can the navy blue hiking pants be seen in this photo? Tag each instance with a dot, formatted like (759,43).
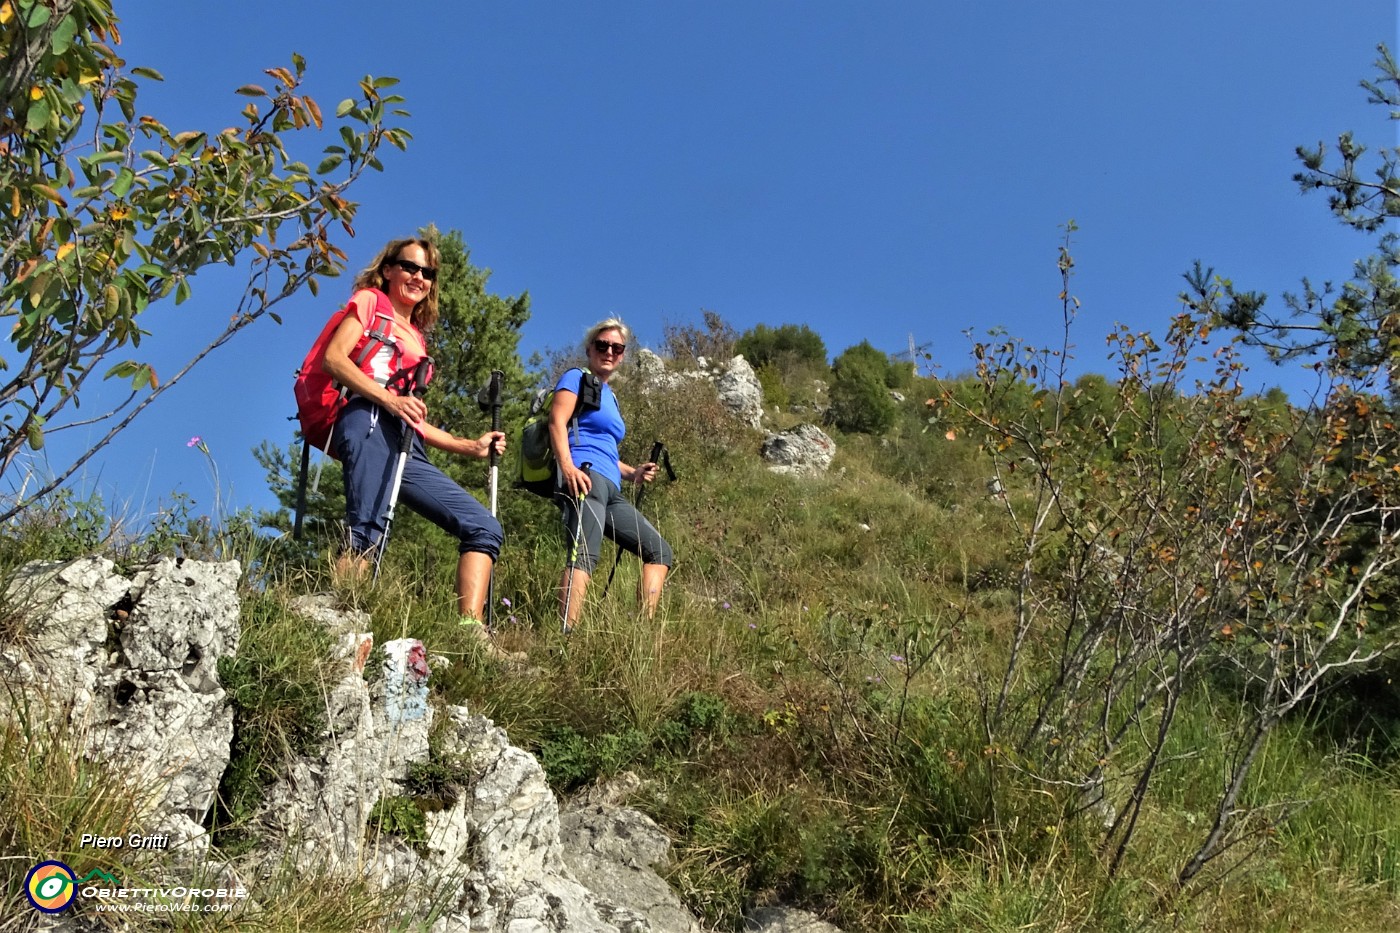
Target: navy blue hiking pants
(366,440)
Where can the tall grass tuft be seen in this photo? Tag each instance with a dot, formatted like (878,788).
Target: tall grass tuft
(277,686)
(51,794)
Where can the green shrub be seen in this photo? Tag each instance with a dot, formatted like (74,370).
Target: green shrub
(571,760)
(860,402)
(398,816)
(775,390)
(437,782)
(863,356)
(61,527)
(901,374)
(784,346)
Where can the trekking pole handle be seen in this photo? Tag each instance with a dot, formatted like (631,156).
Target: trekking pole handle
(493,393)
(418,384)
(421,373)
(662,458)
(654,458)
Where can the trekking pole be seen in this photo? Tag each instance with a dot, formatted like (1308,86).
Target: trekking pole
(489,398)
(657,449)
(416,386)
(301,489)
(569,567)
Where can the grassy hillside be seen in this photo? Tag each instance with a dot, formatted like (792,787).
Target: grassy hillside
(815,708)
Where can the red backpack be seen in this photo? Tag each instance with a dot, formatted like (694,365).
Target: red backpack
(319,397)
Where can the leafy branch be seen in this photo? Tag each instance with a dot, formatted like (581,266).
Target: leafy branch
(106,211)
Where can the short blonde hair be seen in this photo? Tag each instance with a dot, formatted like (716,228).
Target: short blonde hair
(612,323)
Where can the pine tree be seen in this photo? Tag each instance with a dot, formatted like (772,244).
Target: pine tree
(1354,330)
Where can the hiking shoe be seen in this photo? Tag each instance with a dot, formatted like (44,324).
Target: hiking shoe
(495,651)
(488,644)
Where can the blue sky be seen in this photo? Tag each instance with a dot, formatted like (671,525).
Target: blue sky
(873,170)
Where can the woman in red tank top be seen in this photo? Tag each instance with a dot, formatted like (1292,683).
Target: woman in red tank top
(367,432)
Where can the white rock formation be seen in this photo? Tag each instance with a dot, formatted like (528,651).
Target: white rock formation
(740,392)
(805,450)
(736,385)
(132,666)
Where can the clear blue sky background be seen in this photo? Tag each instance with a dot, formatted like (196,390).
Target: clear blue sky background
(870,169)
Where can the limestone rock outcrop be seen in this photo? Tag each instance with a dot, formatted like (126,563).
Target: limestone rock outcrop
(740,392)
(805,450)
(736,385)
(615,849)
(131,667)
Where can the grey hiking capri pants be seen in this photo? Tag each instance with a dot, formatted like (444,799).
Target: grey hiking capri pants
(606,511)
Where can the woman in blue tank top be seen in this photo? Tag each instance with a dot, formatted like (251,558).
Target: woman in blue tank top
(591,475)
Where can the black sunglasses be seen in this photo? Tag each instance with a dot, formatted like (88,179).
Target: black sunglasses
(603,346)
(413,268)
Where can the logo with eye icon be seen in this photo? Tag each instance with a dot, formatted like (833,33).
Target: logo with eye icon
(50,887)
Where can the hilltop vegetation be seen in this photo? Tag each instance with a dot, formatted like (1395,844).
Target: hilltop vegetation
(1038,652)
(996,669)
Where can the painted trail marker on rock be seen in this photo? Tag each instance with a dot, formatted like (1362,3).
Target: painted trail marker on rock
(405,680)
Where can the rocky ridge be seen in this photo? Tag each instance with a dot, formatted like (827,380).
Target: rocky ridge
(130,665)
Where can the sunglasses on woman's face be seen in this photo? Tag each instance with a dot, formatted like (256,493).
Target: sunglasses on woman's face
(412,268)
(604,346)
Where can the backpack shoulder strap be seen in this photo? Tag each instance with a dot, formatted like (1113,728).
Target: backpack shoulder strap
(590,392)
(380,332)
(588,398)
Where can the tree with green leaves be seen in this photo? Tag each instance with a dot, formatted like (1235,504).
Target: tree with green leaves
(1217,556)
(860,403)
(1351,332)
(860,398)
(863,356)
(105,211)
(784,345)
(477,332)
